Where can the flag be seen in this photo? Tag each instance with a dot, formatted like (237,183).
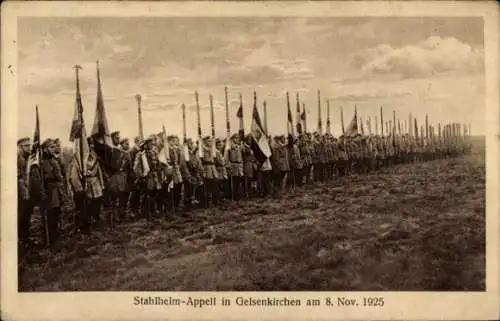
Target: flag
(303,117)
(260,144)
(352,128)
(290,126)
(100,130)
(299,117)
(415,126)
(78,134)
(362,127)
(34,157)
(228,128)
(185,148)
(239,114)
(200,142)
(164,154)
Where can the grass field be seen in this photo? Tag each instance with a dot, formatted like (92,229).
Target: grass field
(412,227)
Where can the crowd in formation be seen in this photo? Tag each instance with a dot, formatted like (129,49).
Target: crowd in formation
(186,179)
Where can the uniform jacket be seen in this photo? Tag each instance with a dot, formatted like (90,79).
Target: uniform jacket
(220,164)
(93,178)
(22,176)
(175,160)
(53,181)
(236,161)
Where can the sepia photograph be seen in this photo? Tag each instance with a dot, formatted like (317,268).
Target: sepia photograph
(271,153)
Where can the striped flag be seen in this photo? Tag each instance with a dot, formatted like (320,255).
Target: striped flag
(303,117)
(260,144)
(100,129)
(78,134)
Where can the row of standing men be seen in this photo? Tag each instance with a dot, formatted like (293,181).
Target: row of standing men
(180,179)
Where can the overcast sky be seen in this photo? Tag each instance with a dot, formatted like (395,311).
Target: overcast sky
(418,65)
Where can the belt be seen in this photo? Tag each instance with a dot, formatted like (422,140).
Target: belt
(207,163)
(236,162)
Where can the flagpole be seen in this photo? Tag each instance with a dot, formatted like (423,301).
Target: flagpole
(320,125)
(305,117)
(328,129)
(342,119)
(297,115)
(228,134)
(376,125)
(410,126)
(39,152)
(138,98)
(382,121)
(265,118)
(80,116)
(212,121)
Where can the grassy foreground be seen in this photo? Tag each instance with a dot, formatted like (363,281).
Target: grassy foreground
(415,227)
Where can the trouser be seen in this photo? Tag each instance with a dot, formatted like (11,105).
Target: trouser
(235,185)
(87,209)
(299,176)
(247,185)
(201,195)
(278,178)
(24,211)
(151,202)
(317,172)
(53,216)
(135,199)
(119,202)
(266,183)
(188,195)
(176,194)
(164,200)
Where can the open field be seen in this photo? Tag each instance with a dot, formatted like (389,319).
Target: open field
(412,227)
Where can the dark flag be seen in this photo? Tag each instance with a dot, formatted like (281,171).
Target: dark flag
(109,157)
(78,134)
(35,154)
(239,114)
(100,130)
(299,117)
(352,128)
(260,144)
(290,126)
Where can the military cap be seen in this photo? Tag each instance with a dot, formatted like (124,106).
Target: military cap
(90,140)
(48,142)
(123,141)
(115,133)
(23,140)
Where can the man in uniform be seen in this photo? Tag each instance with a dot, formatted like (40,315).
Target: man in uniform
(210,176)
(306,158)
(54,186)
(175,164)
(135,195)
(192,174)
(236,166)
(24,206)
(118,181)
(249,167)
(220,165)
(295,161)
(282,163)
